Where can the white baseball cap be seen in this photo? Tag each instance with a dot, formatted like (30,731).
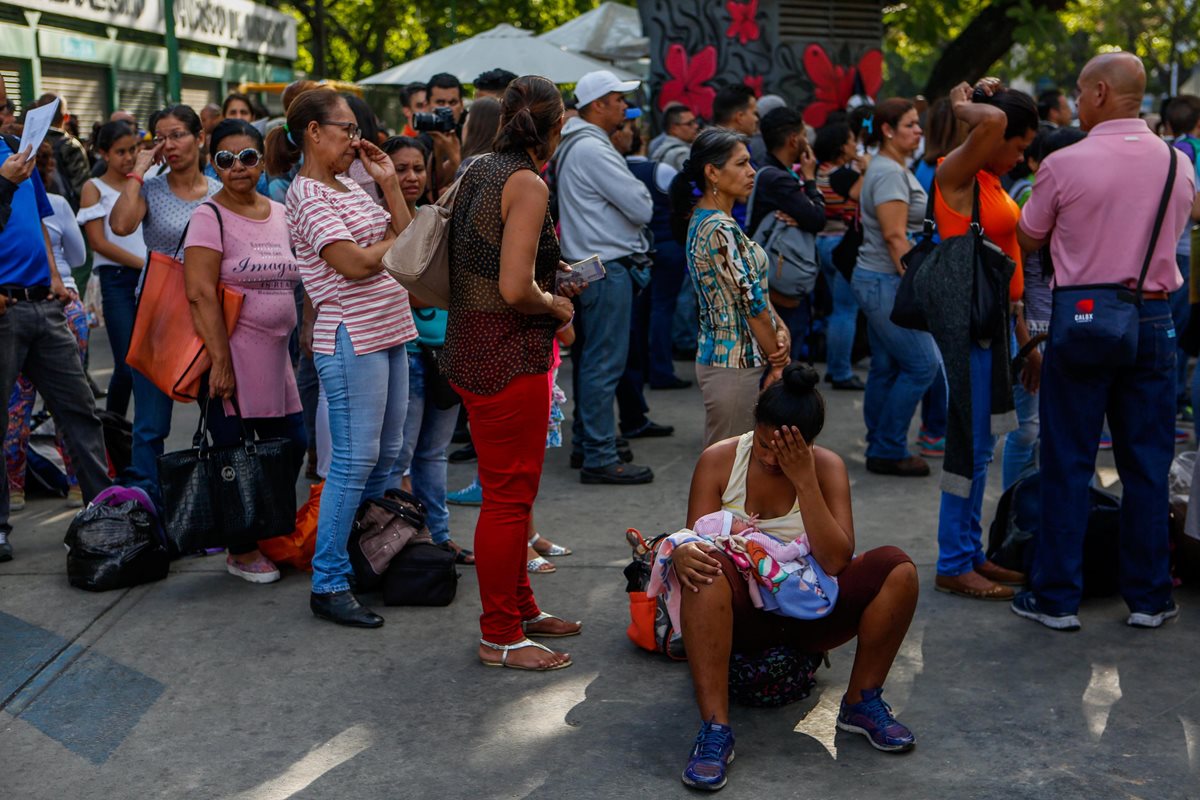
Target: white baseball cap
(594,85)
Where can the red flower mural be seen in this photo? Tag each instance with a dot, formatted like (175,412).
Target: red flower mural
(744,21)
(755,82)
(833,86)
(688,78)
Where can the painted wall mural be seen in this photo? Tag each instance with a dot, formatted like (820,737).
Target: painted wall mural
(697,46)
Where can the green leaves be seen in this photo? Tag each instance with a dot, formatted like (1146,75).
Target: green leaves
(363,37)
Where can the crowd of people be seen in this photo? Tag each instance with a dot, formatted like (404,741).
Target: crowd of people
(748,243)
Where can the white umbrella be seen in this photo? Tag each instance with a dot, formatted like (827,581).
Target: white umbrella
(503,47)
(610,31)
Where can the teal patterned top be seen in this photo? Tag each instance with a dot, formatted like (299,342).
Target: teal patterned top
(729,271)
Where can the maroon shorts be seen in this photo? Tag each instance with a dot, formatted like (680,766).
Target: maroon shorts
(754,630)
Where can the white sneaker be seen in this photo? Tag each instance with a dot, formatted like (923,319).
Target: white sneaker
(1139,619)
(260,570)
(5,547)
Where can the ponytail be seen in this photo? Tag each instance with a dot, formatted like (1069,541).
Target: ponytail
(713,146)
(285,143)
(531,110)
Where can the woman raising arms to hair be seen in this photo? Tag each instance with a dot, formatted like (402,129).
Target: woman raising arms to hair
(363,322)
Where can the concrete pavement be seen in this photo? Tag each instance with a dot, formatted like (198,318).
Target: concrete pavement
(202,686)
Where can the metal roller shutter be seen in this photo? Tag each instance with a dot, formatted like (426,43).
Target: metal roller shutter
(82,86)
(199,92)
(141,94)
(10,73)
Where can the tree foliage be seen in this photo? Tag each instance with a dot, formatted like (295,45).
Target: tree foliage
(363,37)
(1043,41)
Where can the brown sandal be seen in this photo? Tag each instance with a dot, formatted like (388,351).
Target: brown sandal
(952,585)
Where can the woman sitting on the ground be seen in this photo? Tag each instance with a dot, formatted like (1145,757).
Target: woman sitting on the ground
(796,489)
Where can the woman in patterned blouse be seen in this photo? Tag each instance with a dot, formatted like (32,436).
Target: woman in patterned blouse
(741,337)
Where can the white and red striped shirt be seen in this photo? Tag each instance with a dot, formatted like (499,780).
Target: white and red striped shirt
(375,310)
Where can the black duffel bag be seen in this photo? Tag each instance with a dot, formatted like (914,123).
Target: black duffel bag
(114,547)
(227,496)
(422,574)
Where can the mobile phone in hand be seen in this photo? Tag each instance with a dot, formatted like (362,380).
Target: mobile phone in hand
(589,270)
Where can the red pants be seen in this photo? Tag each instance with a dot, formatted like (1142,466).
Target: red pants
(509,432)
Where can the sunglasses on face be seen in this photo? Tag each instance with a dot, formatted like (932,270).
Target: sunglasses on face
(249,157)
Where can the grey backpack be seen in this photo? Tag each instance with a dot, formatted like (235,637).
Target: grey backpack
(792,257)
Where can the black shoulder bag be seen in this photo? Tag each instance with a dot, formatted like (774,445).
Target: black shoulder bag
(228,495)
(907,311)
(1096,325)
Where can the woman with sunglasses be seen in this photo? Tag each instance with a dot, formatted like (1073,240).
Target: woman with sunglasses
(162,205)
(363,322)
(240,238)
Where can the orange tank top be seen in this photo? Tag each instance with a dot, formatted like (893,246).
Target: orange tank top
(998,214)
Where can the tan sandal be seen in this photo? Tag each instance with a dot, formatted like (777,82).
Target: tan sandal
(544,616)
(950,585)
(505,649)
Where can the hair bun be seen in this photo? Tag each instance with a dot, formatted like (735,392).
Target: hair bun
(801,378)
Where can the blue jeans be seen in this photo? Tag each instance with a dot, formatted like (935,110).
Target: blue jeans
(117,285)
(960,527)
(632,407)
(1021,445)
(427,433)
(227,430)
(670,269)
(798,321)
(1140,403)
(598,361)
(685,328)
(839,340)
(903,365)
(935,405)
(151,426)
(368,400)
(1180,312)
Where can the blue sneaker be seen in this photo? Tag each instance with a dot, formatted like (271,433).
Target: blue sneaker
(1143,619)
(1025,605)
(1182,436)
(1106,441)
(873,718)
(711,755)
(470,496)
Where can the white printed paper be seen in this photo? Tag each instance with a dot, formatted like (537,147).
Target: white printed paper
(37,123)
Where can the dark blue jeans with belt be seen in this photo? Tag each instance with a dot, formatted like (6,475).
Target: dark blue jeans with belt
(1140,403)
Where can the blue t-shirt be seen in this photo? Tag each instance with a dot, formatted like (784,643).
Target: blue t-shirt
(23,259)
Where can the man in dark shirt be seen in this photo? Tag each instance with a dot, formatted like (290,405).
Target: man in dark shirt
(36,342)
(796,197)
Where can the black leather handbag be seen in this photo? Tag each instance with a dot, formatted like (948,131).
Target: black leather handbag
(907,311)
(227,496)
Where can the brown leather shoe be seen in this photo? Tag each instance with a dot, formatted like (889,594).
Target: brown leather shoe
(959,585)
(911,467)
(997,573)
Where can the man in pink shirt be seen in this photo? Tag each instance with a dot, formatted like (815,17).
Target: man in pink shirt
(1096,203)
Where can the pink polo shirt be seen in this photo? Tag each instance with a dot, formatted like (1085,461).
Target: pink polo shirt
(1099,198)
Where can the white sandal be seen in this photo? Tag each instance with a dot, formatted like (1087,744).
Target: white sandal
(543,616)
(505,649)
(555,551)
(537,566)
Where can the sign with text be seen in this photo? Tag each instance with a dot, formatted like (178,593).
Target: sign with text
(141,15)
(237,24)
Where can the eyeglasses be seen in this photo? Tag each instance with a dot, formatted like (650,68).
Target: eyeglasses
(249,157)
(351,128)
(177,136)
(691,123)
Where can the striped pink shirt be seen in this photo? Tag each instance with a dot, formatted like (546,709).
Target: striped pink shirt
(374,310)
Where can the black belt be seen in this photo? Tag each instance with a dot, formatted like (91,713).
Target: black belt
(28,294)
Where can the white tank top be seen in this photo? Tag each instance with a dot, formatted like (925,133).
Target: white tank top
(108,198)
(785,528)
